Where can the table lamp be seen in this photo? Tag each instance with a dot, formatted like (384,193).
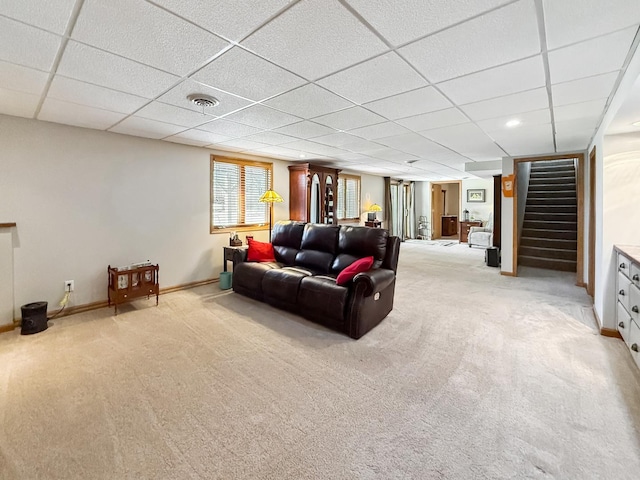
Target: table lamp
(270,197)
(371,217)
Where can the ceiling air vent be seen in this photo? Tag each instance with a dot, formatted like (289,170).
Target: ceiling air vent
(203,101)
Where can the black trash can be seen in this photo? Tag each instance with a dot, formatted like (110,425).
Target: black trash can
(34,318)
(492,256)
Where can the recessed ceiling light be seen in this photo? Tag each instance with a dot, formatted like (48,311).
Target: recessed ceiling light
(636,124)
(302,155)
(203,100)
(512,123)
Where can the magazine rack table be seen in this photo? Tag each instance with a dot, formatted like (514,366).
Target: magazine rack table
(131,283)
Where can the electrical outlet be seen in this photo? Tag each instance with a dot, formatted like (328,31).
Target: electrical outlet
(68,286)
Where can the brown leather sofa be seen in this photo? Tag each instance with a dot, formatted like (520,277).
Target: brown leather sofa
(302,280)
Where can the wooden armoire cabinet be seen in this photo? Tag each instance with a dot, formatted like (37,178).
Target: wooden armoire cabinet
(313,193)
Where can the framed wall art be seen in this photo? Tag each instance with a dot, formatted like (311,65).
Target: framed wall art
(475,195)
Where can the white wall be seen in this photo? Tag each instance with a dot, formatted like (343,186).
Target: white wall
(479,211)
(371,191)
(524,173)
(84,199)
(453,199)
(506,225)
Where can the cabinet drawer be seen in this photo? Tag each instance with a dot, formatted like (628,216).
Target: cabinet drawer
(634,302)
(635,274)
(624,265)
(622,290)
(624,322)
(634,342)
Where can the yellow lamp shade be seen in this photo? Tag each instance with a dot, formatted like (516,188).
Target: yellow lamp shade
(271,197)
(375,208)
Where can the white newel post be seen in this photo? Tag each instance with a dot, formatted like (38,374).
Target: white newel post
(6,274)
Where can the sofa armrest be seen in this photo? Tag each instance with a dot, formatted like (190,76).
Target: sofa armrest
(374,280)
(476,230)
(239,256)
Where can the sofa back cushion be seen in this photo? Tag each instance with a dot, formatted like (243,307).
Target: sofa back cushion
(286,238)
(359,242)
(318,247)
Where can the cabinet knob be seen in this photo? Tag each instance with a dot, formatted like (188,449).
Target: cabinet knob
(634,347)
(621,324)
(622,266)
(621,292)
(634,309)
(636,277)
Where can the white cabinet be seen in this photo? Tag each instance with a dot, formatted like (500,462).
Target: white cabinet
(628,298)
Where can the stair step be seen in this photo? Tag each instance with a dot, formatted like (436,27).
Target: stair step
(551,194)
(555,187)
(542,252)
(553,173)
(552,164)
(548,233)
(548,180)
(550,225)
(553,209)
(546,200)
(550,216)
(548,263)
(559,243)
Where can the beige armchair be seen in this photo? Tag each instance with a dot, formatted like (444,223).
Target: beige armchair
(482,236)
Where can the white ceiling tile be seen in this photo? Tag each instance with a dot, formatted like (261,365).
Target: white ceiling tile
(74,91)
(349,119)
(101,68)
(502,36)
(412,143)
(22,79)
(77,115)
(508,105)
(178,96)
(315,38)
(426,121)
(570,21)
(592,57)
(271,138)
(592,109)
(402,21)
(422,100)
(242,144)
(380,130)
(27,46)
(496,82)
(566,128)
(262,117)
(575,140)
(468,140)
(18,104)
(584,89)
(305,130)
(281,151)
(229,129)
(163,112)
(144,127)
(361,146)
(379,77)
(338,139)
(537,117)
(197,137)
(312,147)
(143,32)
(393,155)
(52,15)
(533,140)
(244,74)
(232,20)
(309,101)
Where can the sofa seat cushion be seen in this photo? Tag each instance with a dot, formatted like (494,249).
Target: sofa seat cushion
(280,286)
(321,297)
(248,275)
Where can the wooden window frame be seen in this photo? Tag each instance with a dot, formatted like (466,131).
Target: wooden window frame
(241,227)
(346,177)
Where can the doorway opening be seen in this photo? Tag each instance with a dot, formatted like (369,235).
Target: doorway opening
(446,198)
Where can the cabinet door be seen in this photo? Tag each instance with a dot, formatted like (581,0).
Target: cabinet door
(624,265)
(635,274)
(634,342)
(623,322)
(622,290)
(634,302)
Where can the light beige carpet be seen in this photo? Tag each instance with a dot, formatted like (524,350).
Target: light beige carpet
(472,376)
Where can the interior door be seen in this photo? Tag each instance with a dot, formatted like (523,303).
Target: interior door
(437,210)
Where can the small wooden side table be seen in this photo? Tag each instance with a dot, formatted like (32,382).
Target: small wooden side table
(374,224)
(464,230)
(128,284)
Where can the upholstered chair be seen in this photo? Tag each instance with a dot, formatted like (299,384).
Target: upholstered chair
(482,236)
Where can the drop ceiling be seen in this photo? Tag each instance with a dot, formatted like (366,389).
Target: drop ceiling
(404,88)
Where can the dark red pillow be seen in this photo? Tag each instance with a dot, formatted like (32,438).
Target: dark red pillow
(260,252)
(355,268)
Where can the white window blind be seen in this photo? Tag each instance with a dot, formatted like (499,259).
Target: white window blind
(348,197)
(236,188)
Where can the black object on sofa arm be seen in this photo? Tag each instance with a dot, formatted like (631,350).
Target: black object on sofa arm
(309,257)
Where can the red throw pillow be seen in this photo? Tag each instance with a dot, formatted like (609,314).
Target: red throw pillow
(355,268)
(260,252)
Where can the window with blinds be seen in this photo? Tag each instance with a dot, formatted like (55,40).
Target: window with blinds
(348,197)
(236,188)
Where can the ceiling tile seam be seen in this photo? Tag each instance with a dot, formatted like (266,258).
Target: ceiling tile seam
(611,32)
(73,18)
(585,78)
(542,33)
(22,22)
(630,54)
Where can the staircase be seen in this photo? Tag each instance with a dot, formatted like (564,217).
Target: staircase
(550,229)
